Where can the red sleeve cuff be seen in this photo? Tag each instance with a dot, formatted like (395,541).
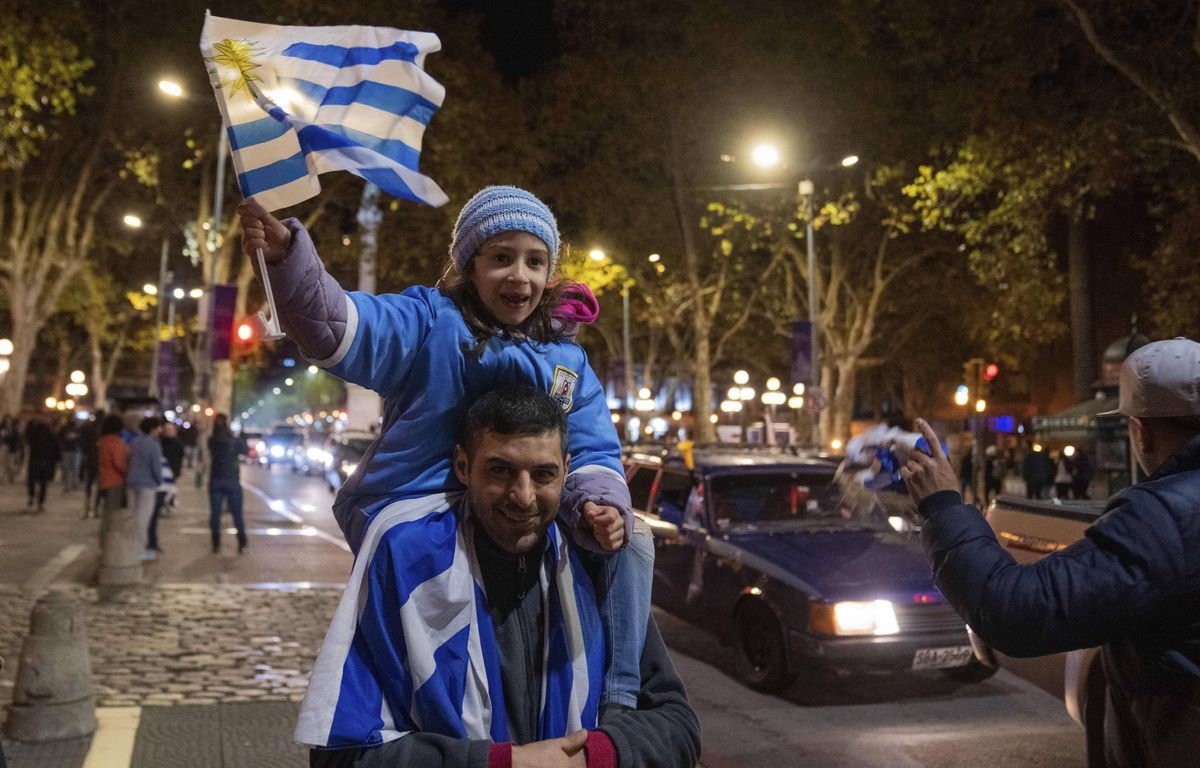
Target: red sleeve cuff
(500,755)
(601,752)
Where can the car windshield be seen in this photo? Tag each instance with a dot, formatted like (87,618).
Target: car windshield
(787,500)
(357,446)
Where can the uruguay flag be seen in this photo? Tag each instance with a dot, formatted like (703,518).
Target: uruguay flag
(300,101)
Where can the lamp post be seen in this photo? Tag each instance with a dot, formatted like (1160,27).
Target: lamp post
(806,194)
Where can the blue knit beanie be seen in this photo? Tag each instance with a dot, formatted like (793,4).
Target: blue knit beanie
(494,210)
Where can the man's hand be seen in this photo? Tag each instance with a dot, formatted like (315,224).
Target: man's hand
(926,474)
(607,525)
(262,230)
(566,752)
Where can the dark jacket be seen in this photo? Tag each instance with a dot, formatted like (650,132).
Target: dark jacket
(43,445)
(1132,585)
(173,452)
(662,732)
(225,449)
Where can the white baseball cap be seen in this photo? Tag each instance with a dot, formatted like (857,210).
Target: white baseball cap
(1161,379)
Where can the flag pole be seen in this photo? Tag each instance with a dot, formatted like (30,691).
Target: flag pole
(270,325)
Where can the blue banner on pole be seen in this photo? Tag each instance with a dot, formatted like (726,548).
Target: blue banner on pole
(224,303)
(802,369)
(168,373)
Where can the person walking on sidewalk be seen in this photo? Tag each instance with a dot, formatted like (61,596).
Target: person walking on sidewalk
(72,455)
(43,458)
(145,475)
(224,484)
(166,491)
(89,436)
(112,464)
(14,454)
(173,452)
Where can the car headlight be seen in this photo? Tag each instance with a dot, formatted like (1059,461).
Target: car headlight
(349,466)
(260,447)
(853,617)
(315,454)
(277,451)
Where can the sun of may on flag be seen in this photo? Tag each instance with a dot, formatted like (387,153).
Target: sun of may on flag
(299,101)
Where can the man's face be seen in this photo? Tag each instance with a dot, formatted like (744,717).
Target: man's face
(513,485)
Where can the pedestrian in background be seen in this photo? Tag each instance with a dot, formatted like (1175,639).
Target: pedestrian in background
(966,471)
(145,475)
(1082,472)
(173,451)
(166,492)
(72,453)
(43,459)
(6,427)
(1129,585)
(112,465)
(224,485)
(187,437)
(89,436)
(1062,476)
(14,457)
(1031,472)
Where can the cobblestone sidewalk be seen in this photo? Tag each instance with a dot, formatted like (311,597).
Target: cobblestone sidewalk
(189,644)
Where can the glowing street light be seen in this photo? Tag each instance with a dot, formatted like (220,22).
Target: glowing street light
(150,289)
(132,220)
(196,293)
(765,156)
(77,377)
(849,160)
(676,415)
(178,293)
(980,406)
(961,395)
(6,347)
(171,88)
(655,258)
(741,378)
(798,388)
(597,255)
(51,402)
(773,384)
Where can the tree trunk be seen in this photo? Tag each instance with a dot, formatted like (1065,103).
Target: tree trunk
(1083,336)
(99,383)
(842,401)
(25,329)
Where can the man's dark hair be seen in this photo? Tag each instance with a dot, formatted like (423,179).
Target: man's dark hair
(148,424)
(515,410)
(111,425)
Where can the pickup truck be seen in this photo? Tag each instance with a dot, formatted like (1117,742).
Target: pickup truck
(1030,530)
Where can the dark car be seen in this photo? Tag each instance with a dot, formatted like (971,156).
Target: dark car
(277,446)
(345,451)
(763,551)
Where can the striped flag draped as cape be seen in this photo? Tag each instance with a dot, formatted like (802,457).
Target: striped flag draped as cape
(300,101)
(412,648)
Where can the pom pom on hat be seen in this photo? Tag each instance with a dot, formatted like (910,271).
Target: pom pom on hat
(494,210)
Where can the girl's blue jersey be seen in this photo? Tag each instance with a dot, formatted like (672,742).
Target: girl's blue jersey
(416,351)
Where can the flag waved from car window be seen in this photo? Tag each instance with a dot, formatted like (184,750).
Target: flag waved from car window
(300,101)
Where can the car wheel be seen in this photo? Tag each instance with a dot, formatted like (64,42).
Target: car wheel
(971,673)
(761,653)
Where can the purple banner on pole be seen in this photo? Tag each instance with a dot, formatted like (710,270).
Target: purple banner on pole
(224,302)
(802,352)
(168,373)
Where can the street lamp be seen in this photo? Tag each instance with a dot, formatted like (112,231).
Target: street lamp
(132,220)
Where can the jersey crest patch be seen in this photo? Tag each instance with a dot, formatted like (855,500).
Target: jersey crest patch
(562,389)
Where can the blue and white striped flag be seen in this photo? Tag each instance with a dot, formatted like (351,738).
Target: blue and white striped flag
(300,101)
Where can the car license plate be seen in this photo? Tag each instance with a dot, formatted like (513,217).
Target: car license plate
(943,658)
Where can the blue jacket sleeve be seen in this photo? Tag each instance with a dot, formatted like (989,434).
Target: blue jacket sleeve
(383,334)
(596,471)
(1095,590)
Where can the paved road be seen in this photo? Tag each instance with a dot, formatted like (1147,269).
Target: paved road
(235,630)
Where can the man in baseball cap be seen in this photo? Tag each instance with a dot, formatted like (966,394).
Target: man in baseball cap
(1132,584)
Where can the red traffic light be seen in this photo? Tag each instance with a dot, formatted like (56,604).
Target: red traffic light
(991,371)
(245,332)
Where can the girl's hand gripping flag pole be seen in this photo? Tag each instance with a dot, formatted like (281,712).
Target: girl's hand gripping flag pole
(300,101)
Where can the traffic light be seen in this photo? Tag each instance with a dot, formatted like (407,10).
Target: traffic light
(991,372)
